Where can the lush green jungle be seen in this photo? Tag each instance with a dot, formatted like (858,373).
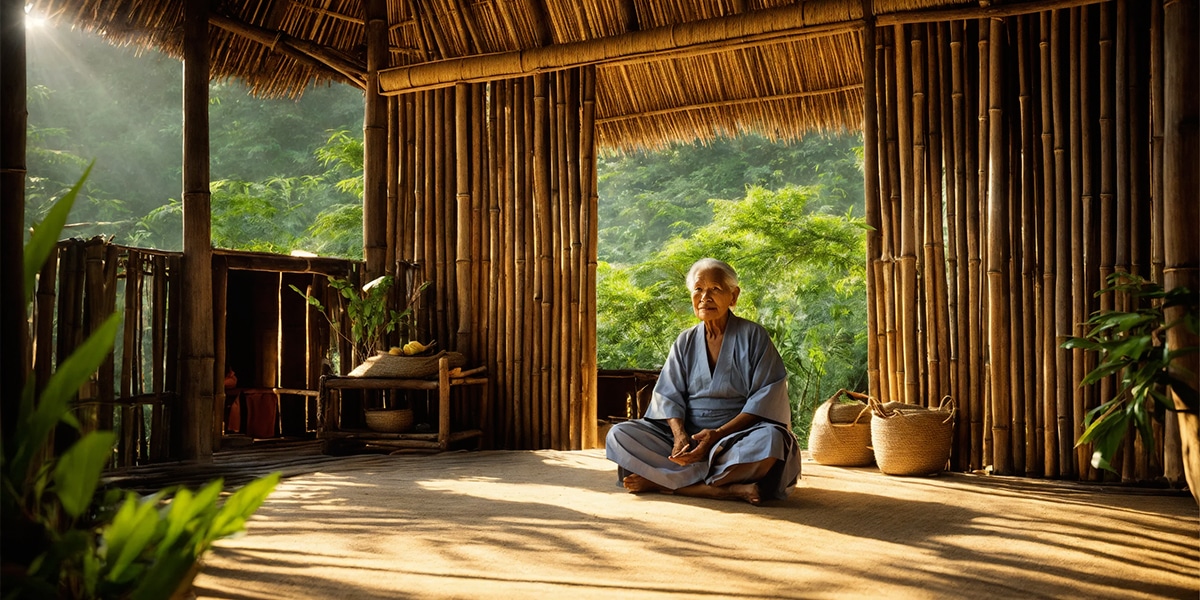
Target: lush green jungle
(287,175)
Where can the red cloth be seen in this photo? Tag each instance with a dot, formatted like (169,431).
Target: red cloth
(260,413)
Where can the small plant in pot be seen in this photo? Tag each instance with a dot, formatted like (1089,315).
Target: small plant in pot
(1133,346)
(371,322)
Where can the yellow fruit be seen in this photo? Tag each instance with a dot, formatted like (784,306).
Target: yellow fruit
(413,347)
(395,351)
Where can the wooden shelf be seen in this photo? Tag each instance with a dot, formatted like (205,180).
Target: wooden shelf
(329,408)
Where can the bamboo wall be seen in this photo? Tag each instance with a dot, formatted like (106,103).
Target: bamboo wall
(492,198)
(136,391)
(1017,163)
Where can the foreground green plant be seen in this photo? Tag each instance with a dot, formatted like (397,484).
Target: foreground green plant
(61,539)
(1132,345)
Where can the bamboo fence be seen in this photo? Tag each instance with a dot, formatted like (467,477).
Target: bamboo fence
(1021,215)
(497,186)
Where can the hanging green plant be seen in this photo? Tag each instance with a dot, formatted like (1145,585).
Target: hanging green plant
(1132,345)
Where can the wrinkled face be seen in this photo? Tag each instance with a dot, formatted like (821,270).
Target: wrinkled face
(712,296)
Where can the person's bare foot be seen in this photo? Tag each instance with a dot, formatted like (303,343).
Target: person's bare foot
(744,491)
(636,484)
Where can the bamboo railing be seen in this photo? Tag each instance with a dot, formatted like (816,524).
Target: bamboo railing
(496,206)
(1021,215)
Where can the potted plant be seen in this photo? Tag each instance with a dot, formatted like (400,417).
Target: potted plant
(1133,346)
(371,319)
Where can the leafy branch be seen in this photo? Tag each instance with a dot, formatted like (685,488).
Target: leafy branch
(1133,346)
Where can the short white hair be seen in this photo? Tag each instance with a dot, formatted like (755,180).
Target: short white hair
(704,264)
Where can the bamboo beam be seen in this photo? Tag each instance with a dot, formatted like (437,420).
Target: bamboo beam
(304,51)
(775,25)
(195,417)
(375,144)
(13,124)
(985,10)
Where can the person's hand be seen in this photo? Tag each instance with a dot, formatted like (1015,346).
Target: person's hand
(681,445)
(703,442)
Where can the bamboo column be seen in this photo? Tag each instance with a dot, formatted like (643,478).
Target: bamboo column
(375,143)
(1173,469)
(463,258)
(193,418)
(1052,379)
(1026,227)
(961,233)
(13,124)
(977,144)
(1181,187)
(999,341)
(907,315)
(871,198)
(590,208)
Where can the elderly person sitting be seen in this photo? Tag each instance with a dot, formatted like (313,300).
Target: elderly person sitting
(719,424)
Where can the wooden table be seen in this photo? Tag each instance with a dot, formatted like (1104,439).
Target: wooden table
(329,408)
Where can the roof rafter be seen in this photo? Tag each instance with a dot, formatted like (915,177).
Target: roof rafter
(675,41)
(301,50)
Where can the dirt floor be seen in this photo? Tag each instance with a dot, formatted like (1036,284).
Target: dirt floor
(555,524)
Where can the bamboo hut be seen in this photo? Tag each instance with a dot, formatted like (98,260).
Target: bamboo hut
(482,122)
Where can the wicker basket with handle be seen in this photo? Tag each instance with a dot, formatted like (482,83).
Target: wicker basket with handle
(841,431)
(405,367)
(912,441)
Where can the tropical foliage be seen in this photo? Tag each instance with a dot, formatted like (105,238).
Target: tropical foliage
(1133,347)
(63,539)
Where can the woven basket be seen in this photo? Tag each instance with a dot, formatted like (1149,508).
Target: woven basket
(912,441)
(841,432)
(395,420)
(406,367)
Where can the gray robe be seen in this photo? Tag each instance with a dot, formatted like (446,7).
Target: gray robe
(748,377)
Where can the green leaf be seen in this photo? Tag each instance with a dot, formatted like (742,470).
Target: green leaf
(62,386)
(79,468)
(45,236)
(127,536)
(241,505)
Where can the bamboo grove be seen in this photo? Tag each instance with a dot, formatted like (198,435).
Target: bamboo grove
(492,201)
(1013,163)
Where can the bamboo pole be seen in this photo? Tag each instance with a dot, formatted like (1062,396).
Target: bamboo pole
(159,447)
(1027,226)
(462,260)
(588,183)
(195,422)
(921,228)
(444,223)
(510,309)
(892,233)
(173,443)
(976,190)
(544,247)
(43,340)
(941,159)
(575,201)
(130,340)
(1080,156)
(567,323)
(1108,222)
(392,178)
(495,337)
(478,229)
(1061,23)
(409,180)
(966,349)
(1173,470)
(999,336)
(907,316)
(13,126)
(220,278)
(1181,148)
(871,198)
(1050,376)
(375,143)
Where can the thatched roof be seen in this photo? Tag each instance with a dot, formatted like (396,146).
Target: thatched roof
(666,69)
